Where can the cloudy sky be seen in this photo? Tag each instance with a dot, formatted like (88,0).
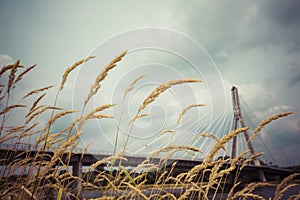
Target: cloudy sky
(251,44)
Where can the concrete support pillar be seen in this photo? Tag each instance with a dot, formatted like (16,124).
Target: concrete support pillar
(77,172)
(261,175)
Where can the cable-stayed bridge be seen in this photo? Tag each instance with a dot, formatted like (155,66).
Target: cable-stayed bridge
(79,158)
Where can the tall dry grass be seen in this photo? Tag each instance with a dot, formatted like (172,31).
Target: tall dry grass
(41,170)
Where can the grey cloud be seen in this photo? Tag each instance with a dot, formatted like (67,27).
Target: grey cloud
(256,44)
(294,74)
(286,13)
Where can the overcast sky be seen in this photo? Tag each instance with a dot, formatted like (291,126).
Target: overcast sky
(251,44)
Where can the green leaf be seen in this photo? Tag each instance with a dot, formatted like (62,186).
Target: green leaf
(59,195)
(128,175)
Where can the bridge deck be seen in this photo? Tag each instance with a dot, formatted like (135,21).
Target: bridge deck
(8,156)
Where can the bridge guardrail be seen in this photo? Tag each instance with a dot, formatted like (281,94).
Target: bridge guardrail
(21,146)
(25,146)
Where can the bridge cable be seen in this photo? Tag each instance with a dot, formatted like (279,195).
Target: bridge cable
(246,106)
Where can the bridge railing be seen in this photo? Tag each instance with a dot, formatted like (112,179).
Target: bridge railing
(28,147)
(18,146)
(91,151)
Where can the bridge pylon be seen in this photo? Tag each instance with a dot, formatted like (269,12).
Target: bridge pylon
(239,118)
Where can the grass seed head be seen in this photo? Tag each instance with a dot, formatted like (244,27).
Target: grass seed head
(97,84)
(71,68)
(161,88)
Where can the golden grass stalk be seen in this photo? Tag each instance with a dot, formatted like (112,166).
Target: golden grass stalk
(53,141)
(213,176)
(4,139)
(131,86)
(174,147)
(211,136)
(28,129)
(37,91)
(15,129)
(194,171)
(187,193)
(97,84)
(168,196)
(59,115)
(160,178)
(219,174)
(294,197)
(9,108)
(102,107)
(108,160)
(207,135)
(20,76)
(70,141)
(167,156)
(35,103)
(166,131)
(103,198)
(161,88)
(137,117)
(100,177)
(137,191)
(71,68)
(179,118)
(154,94)
(250,159)
(252,196)
(284,186)
(144,165)
(103,116)
(9,67)
(252,186)
(233,190)
(83,119)
(267,121)
(162,185)
(28,192)
(185,110)
(216,175)
(222,142)
(34,114)
(11,77)
(34,110)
